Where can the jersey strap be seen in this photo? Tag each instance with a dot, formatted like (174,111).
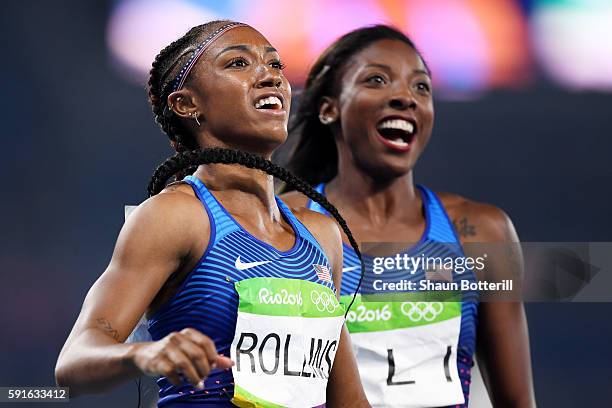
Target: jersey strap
(221,223)
(313,205)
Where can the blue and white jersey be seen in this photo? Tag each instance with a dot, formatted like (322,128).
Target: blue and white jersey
(413,354)
(237,272)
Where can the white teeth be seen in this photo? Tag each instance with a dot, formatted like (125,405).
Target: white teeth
(400,124)
(398,142)
(270,100)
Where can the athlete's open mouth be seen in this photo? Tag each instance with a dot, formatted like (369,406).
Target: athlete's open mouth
(268,102)
(397,133)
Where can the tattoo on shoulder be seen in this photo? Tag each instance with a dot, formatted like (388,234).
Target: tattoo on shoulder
(106,326)
(174,185)
(464,228)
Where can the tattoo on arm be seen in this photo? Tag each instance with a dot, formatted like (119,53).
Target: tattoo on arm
(106,326)
(464,228)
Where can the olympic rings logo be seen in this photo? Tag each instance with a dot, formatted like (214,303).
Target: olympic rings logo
(324,301)
(417,311)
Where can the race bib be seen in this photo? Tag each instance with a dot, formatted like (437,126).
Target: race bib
(286,338)
(407,352)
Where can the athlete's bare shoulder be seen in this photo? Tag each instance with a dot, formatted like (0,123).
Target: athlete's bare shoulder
(316,222)
(177,197)
(475,221)
(179,187)
(295,199)
(175,210)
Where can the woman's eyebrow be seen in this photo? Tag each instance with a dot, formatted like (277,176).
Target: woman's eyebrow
(382,66)
(388,68)
(242,47)
(421,71)
(232,47)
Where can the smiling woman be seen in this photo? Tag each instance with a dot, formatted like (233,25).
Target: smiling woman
(365,117)
(239,292)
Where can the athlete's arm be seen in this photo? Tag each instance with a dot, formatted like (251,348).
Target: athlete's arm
(153,243)
(344,387)
(503,339)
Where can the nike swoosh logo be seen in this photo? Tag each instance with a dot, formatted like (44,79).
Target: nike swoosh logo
(241,266)
(349,268)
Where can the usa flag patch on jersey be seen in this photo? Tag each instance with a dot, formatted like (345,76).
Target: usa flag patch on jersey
(322,272)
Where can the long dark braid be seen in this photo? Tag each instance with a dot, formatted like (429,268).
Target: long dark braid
(183,160)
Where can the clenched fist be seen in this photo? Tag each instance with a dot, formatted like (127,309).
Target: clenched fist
(187,352)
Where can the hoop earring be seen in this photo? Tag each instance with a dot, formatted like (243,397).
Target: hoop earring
(195,116)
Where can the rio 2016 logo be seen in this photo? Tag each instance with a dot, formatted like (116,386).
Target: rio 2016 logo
(324,301)
(419,311)
(363,314)
(283,297)
(415,311)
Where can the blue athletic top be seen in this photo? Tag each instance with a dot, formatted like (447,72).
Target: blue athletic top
(439,240)
(207,300)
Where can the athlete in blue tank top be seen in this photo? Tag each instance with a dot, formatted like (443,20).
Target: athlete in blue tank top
(457,341)
(208,302)
(242,300)
(365,117)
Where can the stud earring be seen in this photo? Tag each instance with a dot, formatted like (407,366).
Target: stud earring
(171,106)
(326,120)
(195,116)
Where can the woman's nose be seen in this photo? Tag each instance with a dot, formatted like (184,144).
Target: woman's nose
(269,78)
(402,101)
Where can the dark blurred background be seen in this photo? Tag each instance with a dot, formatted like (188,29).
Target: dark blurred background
(529,136)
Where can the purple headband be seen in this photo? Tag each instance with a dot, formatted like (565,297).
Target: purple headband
(179,81)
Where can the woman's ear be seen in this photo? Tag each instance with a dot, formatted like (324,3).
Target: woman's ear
(328,110)
(181,103)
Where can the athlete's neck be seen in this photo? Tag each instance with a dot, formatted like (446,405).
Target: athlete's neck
(373,199)
(251,189)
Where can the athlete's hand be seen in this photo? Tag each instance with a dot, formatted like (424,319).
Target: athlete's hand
(187,352)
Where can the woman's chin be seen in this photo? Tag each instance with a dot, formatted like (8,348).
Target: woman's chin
(389,170)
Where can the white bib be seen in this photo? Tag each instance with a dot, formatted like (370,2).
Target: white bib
(286,338)
(407,352)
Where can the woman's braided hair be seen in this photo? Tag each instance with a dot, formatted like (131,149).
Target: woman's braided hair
(163,71)
(189,156)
